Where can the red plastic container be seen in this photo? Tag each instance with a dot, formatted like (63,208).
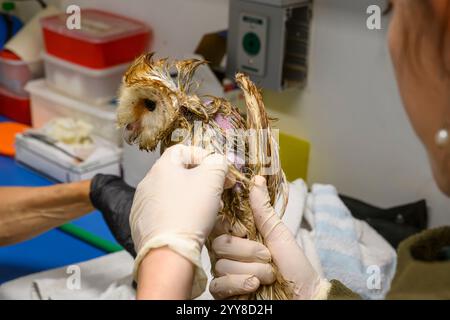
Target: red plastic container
(15,107)
(104,40)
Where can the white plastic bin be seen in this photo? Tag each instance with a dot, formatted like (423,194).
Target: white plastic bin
(97,86)
(47,104)
(14,74)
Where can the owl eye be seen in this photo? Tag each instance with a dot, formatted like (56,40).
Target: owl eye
(150,104)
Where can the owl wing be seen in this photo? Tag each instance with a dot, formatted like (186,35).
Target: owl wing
(263,145)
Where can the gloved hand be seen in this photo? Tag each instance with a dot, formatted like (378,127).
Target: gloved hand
(113,198)
(176,205)
(243,264)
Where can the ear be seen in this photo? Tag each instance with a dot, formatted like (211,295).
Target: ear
(446,52)
(441,12)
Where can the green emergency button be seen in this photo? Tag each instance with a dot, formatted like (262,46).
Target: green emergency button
(251,43)
(8,6)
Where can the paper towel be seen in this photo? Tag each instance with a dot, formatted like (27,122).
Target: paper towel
(28,42)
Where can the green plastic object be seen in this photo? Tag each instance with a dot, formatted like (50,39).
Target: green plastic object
(8,6)
(294,156)
(251,43)
(90,238)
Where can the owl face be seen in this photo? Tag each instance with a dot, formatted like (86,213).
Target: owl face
(148,103)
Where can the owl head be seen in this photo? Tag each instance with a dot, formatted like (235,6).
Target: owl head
(152,98)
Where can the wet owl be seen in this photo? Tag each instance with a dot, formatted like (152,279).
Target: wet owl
(158,105)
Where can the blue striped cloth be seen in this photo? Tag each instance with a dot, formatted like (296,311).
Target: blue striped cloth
(339,245)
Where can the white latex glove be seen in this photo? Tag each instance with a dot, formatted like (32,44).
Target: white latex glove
(243,264)
(176,205)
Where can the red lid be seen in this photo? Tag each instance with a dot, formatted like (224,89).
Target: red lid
(6,54)
(96,26)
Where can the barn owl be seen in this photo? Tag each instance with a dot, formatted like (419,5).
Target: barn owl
(158,105)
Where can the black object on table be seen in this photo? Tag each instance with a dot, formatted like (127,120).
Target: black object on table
(394,224)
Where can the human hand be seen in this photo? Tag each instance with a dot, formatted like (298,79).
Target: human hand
(243,264)
(176,204)
(113,198)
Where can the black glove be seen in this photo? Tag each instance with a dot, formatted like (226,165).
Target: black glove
(113,198)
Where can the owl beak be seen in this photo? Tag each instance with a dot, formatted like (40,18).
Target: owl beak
(132,126)
(131,132)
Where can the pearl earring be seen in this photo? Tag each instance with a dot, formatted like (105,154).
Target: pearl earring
(442,137)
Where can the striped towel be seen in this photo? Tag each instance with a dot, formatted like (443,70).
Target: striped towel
(343,247)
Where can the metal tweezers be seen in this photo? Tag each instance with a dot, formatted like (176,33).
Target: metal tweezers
(51,142)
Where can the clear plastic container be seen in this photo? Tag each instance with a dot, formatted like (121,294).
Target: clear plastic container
(104,39)
(47,104)
(14,74)
(91,85)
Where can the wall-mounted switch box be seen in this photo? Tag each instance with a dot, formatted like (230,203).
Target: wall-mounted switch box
(268,40)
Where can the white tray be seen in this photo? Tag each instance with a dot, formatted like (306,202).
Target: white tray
(57,166)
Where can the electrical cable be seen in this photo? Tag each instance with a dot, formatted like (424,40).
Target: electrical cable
(90,238)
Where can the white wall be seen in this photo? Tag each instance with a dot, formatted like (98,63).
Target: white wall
(352,114)
(350,111)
